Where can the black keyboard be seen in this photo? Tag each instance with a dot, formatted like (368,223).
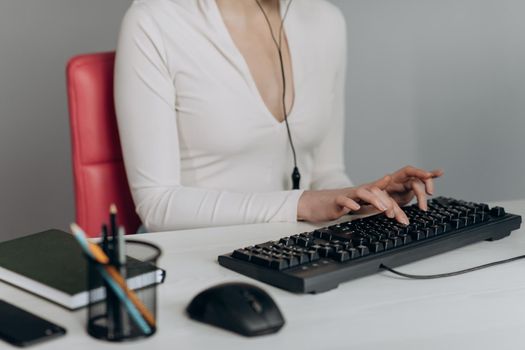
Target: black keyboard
(317,261)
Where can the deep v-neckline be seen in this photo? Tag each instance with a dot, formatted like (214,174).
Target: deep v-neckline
(246,68)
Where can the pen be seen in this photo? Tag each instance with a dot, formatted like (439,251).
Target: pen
(115,281)
(114,241)
(105,241)
(113,306)
(124,319)
(121,246)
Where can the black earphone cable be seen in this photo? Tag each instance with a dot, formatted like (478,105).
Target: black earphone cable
(296,176)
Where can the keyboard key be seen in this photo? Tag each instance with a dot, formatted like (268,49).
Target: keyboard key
(303,242)
(376,247)
(405,238)
(387,244)
(312,255)
(353,253)
(447,227)
(378,236)
(346,245)
(260,259)
(242,254)
(340,229)
(428,232)
(295,238)
(340,256)
(292,260)
(315,246)
(363,250)
(438,229)
(359,240)
(421,223)
(301,258)
(418,235)
(475,218)
(265,245)
(279,264)
(458,223)
(497,212)
(396,241)
(325,251)
(286,241)
(323,233)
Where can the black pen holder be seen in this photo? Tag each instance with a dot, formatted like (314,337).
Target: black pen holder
(108,317)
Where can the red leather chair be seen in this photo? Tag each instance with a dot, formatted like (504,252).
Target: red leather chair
(98,169)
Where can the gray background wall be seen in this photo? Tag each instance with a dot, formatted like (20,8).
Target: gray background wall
(439,83)
(435,83)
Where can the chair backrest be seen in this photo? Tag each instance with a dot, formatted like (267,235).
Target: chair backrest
(98,169)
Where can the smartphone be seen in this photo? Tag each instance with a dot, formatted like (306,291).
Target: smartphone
(22,328)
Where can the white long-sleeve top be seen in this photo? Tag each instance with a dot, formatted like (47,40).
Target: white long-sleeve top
(200,147)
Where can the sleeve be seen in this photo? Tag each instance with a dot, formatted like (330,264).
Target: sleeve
(147,120)
(328,165)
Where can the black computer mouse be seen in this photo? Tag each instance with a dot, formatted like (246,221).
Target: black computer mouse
(238,307)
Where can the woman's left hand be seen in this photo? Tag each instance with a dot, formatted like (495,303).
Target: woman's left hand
(410,182)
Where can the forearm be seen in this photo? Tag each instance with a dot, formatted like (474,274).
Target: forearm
(180,207)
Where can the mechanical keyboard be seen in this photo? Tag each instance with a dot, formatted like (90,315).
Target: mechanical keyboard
(317,261)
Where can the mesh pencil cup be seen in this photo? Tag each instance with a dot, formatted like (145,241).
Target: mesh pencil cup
(109,317)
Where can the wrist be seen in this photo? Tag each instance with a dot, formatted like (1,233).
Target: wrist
(303,207)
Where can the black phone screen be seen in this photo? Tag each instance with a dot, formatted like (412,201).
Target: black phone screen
(22,328)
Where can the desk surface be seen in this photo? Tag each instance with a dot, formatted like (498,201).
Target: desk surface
(481,310)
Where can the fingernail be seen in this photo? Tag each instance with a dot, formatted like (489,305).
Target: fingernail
(406,222)
(383,207)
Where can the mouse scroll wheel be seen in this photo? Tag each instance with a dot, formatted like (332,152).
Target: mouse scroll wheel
(256,306)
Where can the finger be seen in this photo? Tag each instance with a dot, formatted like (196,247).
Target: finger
(403,198)
(419,190)
(342,211)
(345,202)
(385,198)
(437,173)
(429,186)
(365,195)
(429,183)
(400,215)
(409,171)
(396,187)
(382,183)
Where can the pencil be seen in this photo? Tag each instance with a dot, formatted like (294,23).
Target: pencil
(128,303)
(96,253)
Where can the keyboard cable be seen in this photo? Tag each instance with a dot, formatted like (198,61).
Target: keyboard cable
(450,274)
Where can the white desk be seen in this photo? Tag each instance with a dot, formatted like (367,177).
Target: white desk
(481,310)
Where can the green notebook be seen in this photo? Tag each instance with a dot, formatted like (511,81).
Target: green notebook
(50,264)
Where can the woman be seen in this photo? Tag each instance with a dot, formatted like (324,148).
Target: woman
(199,94)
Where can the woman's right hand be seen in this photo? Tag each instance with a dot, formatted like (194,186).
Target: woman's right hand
(327,205)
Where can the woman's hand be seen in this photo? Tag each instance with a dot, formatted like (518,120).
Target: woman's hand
(410,182)
(326,205)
